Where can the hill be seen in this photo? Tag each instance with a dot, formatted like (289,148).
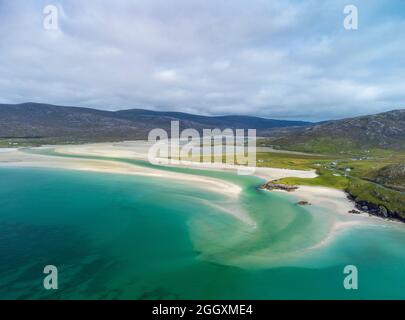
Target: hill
(382,131)
(45,123)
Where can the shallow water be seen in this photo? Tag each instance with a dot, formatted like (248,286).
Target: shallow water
(130,237)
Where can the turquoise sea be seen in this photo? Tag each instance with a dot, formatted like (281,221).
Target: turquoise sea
(117,236)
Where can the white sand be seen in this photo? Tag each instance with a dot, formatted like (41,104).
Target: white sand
(330,199)
(20,159)
(139,150)
(4,150)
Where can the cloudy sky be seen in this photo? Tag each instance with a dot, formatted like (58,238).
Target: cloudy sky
(286,59)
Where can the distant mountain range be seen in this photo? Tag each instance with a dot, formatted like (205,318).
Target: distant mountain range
(44,121)
(59,124)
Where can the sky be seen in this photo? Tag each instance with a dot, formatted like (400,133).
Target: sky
(285,59)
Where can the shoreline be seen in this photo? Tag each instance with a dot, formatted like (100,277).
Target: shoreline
(137,150)
(109,166)
(333,200)
(330,207)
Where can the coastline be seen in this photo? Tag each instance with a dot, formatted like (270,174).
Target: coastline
(20,159)
(325,221)
(327,198)
(333,200)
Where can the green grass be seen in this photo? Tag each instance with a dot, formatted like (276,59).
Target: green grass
(289,161)
(332,173)
(16,143)
(327,146)
(325,179)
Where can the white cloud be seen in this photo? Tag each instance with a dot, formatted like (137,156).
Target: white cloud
(166,76)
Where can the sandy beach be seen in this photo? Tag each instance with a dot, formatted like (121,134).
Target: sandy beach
(331,199)
(329,207)
(21,159)
(327,198)
(335,201)
(139,150)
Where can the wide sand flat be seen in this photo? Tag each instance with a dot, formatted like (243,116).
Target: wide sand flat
(330,206)
(330,199)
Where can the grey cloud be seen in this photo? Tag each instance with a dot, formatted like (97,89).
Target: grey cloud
(281,59)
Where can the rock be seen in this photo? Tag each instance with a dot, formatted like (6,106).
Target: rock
(354,211)
(383,211)
(278,186)
(303,203)
(376,210)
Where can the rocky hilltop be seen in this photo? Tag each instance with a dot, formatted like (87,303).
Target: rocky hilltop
(384,130)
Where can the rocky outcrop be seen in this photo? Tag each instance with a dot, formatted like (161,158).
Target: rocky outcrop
(376,210)
(271,185)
